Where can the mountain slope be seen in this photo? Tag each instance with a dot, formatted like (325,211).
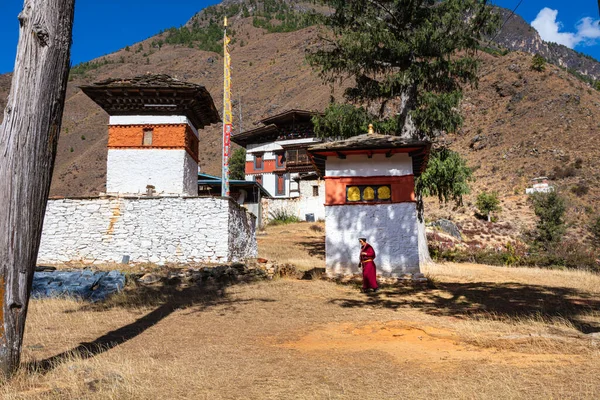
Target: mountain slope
(517,35)
(519,123)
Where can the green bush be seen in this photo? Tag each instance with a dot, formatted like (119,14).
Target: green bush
(569,254)
(282,217)
(487,203)
(580,189)
(550,228)
(538,63)
(594,229)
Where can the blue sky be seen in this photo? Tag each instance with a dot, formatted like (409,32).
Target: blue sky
(104,26)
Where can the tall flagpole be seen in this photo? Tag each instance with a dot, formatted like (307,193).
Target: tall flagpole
(227,118)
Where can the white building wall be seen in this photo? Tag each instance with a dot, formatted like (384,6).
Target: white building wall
(276,146)
(299,206)
(262,148)
(390,228)
(379,165)
(170,171)
(158,230)
(190,176)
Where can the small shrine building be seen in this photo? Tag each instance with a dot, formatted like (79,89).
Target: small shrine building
(370,192)
(153,138)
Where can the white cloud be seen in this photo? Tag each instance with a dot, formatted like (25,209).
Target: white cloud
(588,30)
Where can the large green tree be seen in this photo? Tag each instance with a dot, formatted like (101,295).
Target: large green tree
(237,164)
(550,209)
(407,61)
(404,64)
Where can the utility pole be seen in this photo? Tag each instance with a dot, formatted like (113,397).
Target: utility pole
(28,140)
(227,114)
(241,119)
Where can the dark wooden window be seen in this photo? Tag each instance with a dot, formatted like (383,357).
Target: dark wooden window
(280,160)
(258,179)
(147,141)
(280,188)
(315,190)
(258,161)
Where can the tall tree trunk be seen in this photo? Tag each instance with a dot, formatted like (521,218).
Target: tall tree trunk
(28,139)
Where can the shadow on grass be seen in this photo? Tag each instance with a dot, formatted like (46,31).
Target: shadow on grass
(504,301)
(314,248)
(165,298)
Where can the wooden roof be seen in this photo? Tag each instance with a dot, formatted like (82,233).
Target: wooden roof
(371,144)
(288,116)
(271,125)
(154,95)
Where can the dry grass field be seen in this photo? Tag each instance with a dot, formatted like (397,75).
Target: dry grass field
(473,332)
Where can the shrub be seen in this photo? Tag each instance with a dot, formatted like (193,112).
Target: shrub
(550,209)
(282,217)
(594,229)
(538,63)
(487,203)
(581,189)
(563,172)
(574,255)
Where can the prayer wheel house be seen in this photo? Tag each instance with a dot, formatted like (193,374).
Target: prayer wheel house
(153,133)
(370,192)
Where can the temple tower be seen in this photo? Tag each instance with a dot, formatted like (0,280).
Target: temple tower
(370,192)
(153,138)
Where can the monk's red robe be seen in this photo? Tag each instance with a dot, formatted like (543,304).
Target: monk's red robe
(368,267)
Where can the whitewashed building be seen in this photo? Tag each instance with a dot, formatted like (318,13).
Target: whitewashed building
(370,192)
(152,211)
(540,185)
(276,158)
(153,138)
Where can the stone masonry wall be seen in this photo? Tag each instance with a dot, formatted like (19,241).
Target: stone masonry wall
(158,230)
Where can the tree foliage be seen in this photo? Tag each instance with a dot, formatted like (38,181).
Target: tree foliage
(447,176)
(550,209)
(538,63)
(487,203)
(594,228)
(237,164)
(408,59)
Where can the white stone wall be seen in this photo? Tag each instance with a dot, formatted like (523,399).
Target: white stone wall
(399,164)
(190,176)
(158,230)
(306,203)
(390,228)
(170,171)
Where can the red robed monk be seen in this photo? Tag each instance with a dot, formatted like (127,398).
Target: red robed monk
(367,255)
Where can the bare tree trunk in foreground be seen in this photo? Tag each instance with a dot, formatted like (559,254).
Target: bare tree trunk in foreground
(28,139)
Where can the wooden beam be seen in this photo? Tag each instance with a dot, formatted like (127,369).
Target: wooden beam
(28,140)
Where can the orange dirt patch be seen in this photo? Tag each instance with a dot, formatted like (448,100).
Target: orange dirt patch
(411,342)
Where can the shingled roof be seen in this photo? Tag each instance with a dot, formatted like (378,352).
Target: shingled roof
(154,95)
(270,127)
(372,143)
